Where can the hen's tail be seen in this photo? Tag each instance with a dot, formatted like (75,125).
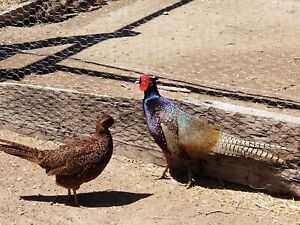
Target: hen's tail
(22,151)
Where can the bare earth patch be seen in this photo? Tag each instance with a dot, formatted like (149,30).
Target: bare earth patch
(6,4)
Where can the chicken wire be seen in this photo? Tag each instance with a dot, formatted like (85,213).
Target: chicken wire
(100,47)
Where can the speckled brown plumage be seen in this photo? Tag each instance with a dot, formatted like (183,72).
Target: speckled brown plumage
(73,163)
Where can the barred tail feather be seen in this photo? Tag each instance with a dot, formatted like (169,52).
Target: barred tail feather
(232,145)
(21,151)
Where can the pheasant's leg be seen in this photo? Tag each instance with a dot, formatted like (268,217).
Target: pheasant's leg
(56,197)
(75,198)
(163,175)
(190,179)
(69,195)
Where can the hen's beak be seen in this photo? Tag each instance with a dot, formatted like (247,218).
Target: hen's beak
(137,81)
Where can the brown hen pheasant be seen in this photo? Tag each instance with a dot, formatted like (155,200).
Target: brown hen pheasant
(74,163)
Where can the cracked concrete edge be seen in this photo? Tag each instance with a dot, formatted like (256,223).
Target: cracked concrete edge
(61,115)
(246,110)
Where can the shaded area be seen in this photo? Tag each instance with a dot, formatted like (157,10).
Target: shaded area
(79,43)
(93,199)
(243,174)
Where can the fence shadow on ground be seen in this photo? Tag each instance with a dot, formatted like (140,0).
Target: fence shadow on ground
(78,44)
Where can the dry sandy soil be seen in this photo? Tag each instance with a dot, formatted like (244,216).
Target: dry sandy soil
(247,46)
(252,46)
(127,193)
(6,4)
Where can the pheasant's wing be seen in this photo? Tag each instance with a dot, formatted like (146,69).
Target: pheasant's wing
(71,158)
(170,127)
(187,136)
(196,137)
(75,166)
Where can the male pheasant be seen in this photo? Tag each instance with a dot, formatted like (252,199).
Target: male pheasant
(73,163)
(184,138)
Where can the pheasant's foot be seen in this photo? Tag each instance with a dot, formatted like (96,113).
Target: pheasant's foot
(185,185)
(163,175)
(189,184)
(190,179)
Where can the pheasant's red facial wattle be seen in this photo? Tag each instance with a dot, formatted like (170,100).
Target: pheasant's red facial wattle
(144,82)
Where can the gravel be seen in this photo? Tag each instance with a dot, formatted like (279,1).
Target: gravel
(6,4)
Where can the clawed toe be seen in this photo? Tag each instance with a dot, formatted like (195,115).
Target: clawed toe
(190,179)
(163,175)
(189,184)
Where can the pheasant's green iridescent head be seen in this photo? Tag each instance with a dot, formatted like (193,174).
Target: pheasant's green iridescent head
(145,82)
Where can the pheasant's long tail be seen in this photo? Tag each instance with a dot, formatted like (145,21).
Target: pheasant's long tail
(22,151)
(233,146)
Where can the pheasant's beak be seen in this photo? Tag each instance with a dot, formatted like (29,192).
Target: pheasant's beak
(137,81)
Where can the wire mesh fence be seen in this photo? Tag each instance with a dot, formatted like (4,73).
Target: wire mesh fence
(86,49)
(220,83)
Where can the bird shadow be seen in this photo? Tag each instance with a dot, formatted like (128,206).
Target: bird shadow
(214,182)
(92,199)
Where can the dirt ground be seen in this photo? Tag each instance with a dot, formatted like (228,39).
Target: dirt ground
(248,46)
(6,4)
(127,193)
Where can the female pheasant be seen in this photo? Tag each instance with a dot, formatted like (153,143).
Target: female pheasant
(184,138)
(74,163)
